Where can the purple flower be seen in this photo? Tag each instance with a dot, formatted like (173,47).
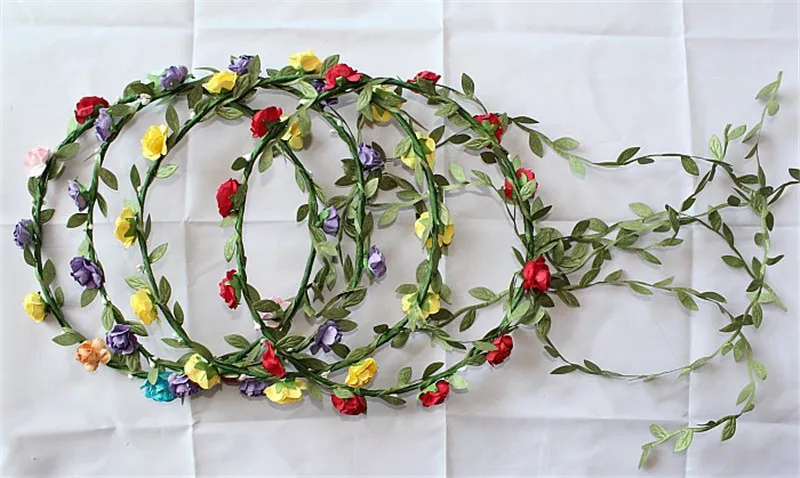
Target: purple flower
(327,335)
(253,388)
(74,191)
(102,125)
(120,340)
(22,233)
(181,386)
(376,262)
(173,76)
(240,65)
(319,85)
(369,157)
(86,273)
(330,224)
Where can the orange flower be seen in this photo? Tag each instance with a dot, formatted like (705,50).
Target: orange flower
(92,353)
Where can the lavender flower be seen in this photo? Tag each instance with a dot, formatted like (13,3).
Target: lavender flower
(75,192)
(330,224)
(240,65)
(327,335)
(120,340)
(86,273)
(253,388)
(369,157)
(102,125)
(173,76)
(376,262)
(22,233)
(181,386)
(319,85)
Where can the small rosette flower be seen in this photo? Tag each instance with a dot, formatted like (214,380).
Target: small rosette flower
(430,305)
(225,194)
(492,122)
(34,306)
(504,345)
(426,75)
(409,158)
(271,363)
(253,388)
(36,161)
(86,273)
(355,405)
(436,396)
(158,391)
(221,80)
(87,107)
(362,373)
(286,391)
(227,290)
(369,157)
(92,353)
(201,372)
(173,76)
(240,64)
(103,125)
(154,142)
(330,221)
(328,335)
(508,188)
(143,306)
(181,386)
(121,340)
(376,262)
(77,194)
(536,275)
(340,71)
(125,227)
(22,233)
(262,120)
(305,61)
(423,222)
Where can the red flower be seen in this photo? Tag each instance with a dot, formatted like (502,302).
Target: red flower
(355,405)
(536,275)
(87,107)
(509,188)
(430,399)
(504,344)
(262,118)
(494,120)
(428,75)
(226,290)
(340,70)
(271,363)
(224,193)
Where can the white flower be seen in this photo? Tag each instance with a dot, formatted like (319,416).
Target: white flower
(36,161)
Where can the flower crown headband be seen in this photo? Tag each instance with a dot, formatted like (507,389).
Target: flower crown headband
(283,365)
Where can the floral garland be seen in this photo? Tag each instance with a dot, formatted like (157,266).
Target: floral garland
(283,366)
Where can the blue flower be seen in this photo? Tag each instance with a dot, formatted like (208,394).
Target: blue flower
(159,392)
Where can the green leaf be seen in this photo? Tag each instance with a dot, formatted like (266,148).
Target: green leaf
(627,154)
(715,147)
(166,170)
(237,341)
(69,337)
(639,289)
(767,90)
(404,375)
(389,215)
(467,321)
(684,440)
(564,369)
(729,429)
(686,300)
(265,160)
(566,144)
(76,219)
(577,166)
(484,346)
(88,296)
(689,165)
(174,343)
(736,132)
(746,392)
(173,121)
(482,293)
(107,318)
(48,272)
(458,382)
(733,261)
(645,454)
(266,305)
(109,178)
(641,209)
(164,290)
(177,311)
(431,369)
(230,247)
(759,369)
(658,431)
(535,143)
(67,151)
(335,313)
(135,283)
(649,257)
(457,172)
(158,253)
(392,400)
(467,85)
(371,187)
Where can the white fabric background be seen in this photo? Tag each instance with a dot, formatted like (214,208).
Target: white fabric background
(662,75)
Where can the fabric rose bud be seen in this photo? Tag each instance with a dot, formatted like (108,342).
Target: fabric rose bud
(426,75)
(253,388)
(103,125)
(437,396)
(409,158)
(494,123)
(76,192)
(445,238)
(92,353)
(355,405)
(143,306)
(201,372)
(34,306)
(330,221)
(376,263)
(22,233)
(173,77)
(306,61)
(536,276)
(362,373)
(369,157)
(227,291)
(241,64)
(504,345)
(154,142)
(87,107)
(225,191)
(158,391)
(86,273)
(125,227)
(319,85)
(262,119)
(181,386)
(328,335)
(221,80)
(271,363)
(294,135)
(286,391)
(508,188)
(430,305)
(121,340)
(340,70)
(36,161)
(283,304)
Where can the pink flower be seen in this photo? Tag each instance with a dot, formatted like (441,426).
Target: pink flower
(268,316)
(36,160)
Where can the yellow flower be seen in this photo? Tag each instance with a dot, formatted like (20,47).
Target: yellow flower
(361,373)
(143,306)
(410,157)
(201,372)
(445,238)
(221,80)
(286,392)
(381,115)
(305,61)
(92,353)
(431,305)
(123,227)
(34,306)
(154,142)
(294,135)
